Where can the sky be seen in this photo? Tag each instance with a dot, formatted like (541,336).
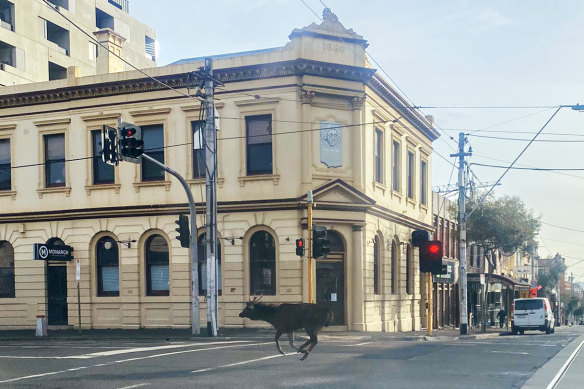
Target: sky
(488,68)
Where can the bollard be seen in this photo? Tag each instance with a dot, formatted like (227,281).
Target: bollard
(41,327)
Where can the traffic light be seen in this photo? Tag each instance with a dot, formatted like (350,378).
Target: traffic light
(131,143)
(300,247)
(431,257)
(320,242)
(183,230)
(419,236)
(109,146)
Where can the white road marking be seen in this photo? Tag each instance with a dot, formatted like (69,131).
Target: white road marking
(358,344)
(510,352)
(136,359)
(135,386)
(563,369)
(242,363)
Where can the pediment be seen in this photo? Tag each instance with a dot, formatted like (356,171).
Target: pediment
(339,192)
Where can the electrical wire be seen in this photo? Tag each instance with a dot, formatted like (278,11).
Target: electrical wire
(528,168)
(560,227)
(527,140)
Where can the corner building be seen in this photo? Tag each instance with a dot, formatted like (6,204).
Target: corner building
(311,115)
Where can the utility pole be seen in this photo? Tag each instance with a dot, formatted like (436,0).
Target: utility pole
(462,226)
(309,255)
(532,252)
(211,199)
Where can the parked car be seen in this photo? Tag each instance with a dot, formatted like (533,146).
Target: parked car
(532,314)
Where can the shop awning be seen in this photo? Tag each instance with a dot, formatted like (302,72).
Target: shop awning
(476,277)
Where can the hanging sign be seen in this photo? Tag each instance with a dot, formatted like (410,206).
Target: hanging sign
(77,269)
(49,252)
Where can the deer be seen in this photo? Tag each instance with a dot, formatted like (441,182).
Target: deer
(286,318)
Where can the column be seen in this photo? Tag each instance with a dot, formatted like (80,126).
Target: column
(358,303)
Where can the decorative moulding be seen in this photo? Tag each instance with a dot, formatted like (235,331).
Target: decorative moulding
(52,122)
(150,112)
(60,189)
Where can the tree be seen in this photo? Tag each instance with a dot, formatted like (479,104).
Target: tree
(578,313)
(549,277)
(501,224)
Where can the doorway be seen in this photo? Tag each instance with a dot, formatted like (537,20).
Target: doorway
(57,313)
(330,279)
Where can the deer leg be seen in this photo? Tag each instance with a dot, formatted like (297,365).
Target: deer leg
(313,342)
(291,340)
(278,334)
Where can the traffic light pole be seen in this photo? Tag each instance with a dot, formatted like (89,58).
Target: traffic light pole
(429,315)
(211,202)
(195,320)
(462,227)
(309,254)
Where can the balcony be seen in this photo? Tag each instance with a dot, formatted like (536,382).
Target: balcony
(60,3)
(11,56)
(7,15)
(56,34)
(124,5)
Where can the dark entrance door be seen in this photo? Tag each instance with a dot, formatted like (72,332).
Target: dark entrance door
(330,288)
(57,294)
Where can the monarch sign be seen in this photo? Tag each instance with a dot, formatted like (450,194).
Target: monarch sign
(49,252)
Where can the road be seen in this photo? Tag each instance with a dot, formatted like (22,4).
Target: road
(252,362)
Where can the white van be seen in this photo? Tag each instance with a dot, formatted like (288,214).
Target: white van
(532,314)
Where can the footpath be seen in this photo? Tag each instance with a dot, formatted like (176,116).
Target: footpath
(70,334)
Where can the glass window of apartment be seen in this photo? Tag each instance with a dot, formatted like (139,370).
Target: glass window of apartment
(102,172)
(5,165)
(447,239)
(11,56)
(409,270)
(153,136)
(60,3)
(424,183)
(199,163)
(56,34)
(57,72)
(157,277)
(6,270)
(259,144)
(376,265)
(103,20)
(202,268)
(262,263)
(411,174)
(394,266)
(7,15)
(108,267)
(54,160)
(378,156)
(150,48)
(395,166)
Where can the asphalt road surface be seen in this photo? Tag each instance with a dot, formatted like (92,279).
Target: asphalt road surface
(253,362)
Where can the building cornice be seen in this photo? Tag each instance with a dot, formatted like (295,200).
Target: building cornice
(297,67)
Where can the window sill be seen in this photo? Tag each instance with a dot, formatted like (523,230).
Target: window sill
(424,207)
(58,189)
(379,185)
(411,201)
(198,181)
(396,194)
(115,187)
(259,177)
(151,184)
(6,193)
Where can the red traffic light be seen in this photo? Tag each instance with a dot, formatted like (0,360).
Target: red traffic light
(130,132)
(300,243)
(434,248)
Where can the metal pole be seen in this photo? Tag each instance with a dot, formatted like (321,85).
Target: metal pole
(195,321)
(211,199)
(462,226)
(309,255)
(429,316)
(78,307)
(533,263)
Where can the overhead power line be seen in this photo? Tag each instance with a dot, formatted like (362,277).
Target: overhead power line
(529,168)
(561,227)
(527,140)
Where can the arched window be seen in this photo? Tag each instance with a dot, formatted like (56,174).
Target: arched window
(472,255)
(409,270)
(108,267)
(394,266)
(6,270)
(157,281)
(376,265)
(262,264)
(202,268)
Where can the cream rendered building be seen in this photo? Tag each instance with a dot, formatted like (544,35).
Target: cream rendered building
(37,44)
(315,99)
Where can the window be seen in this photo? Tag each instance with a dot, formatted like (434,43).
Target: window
(447,239)
(92,51)
(262,264)
(6,270)
(411,175)
(102,172)
(201,253)
(378,156)
(103,20)
(409,270)
(153,137)
(108,267)
(61,3)
(472,255)
(7,15)
(121,4)
(56,34)
(57,72)
(150,48)
(424,183)
(54,160)
(157,280)
(395,166)
(376,265)
(394,266)
(259,144)
(11,56)
(199,163)
(5,165)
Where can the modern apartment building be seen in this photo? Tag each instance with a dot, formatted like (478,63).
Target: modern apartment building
(310,115)
(38,44)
